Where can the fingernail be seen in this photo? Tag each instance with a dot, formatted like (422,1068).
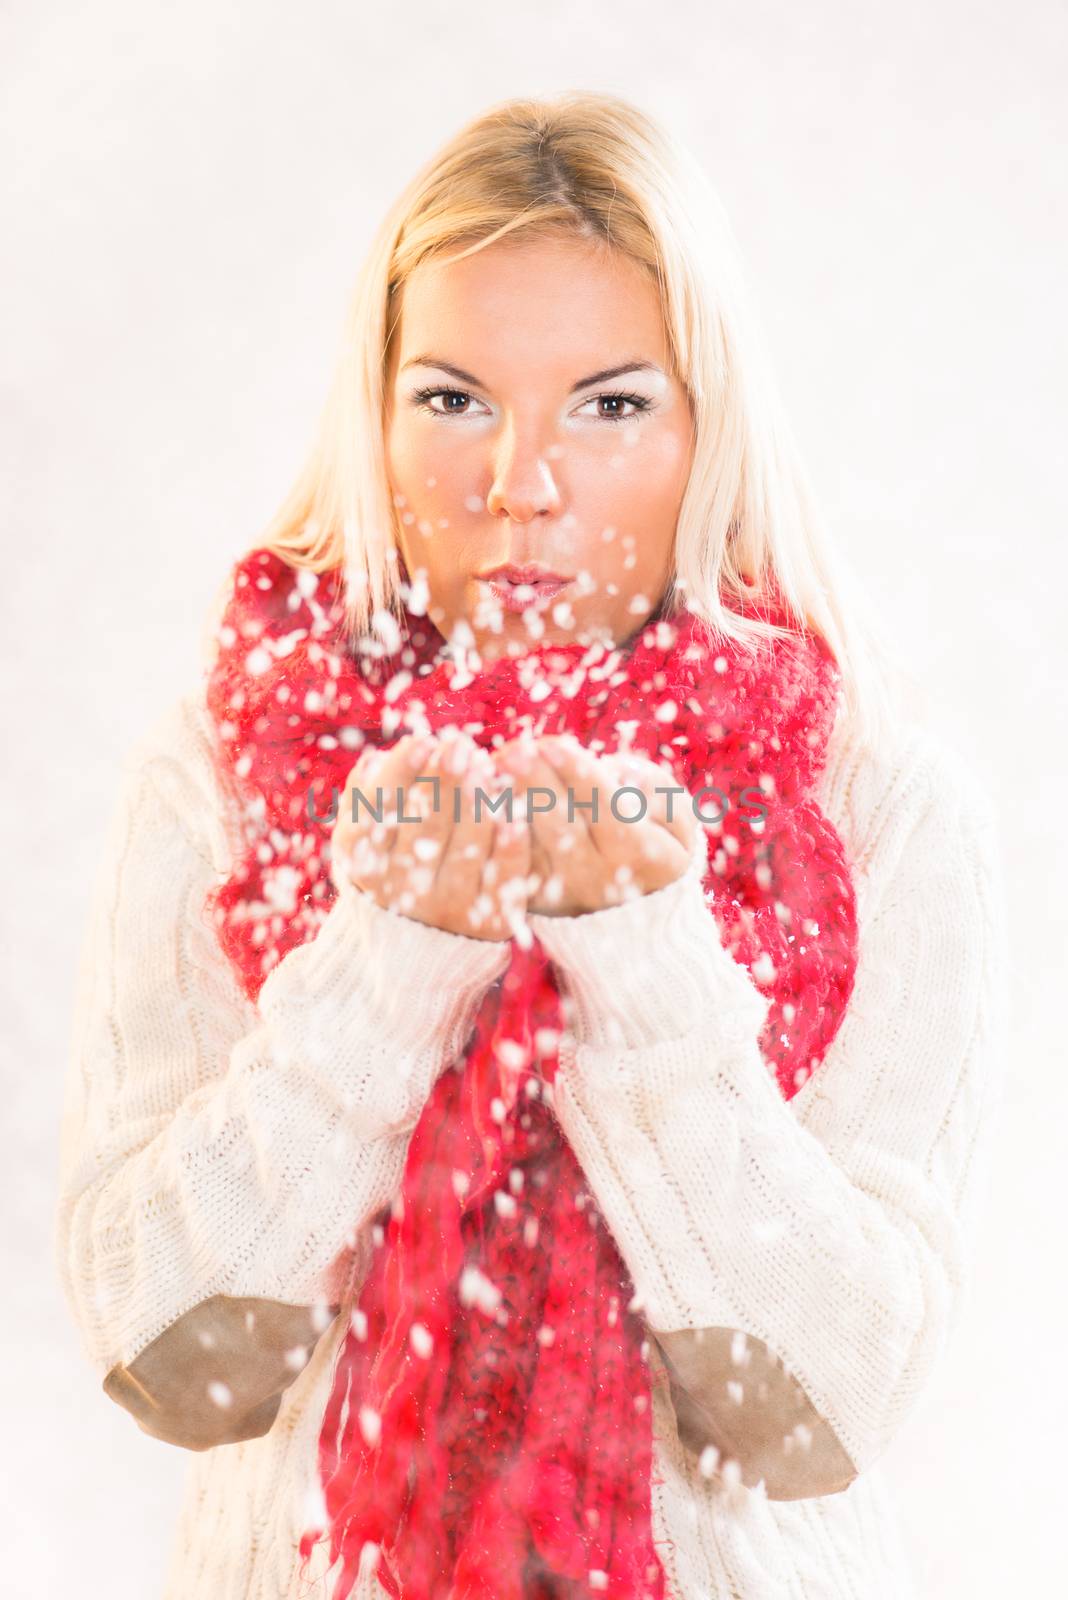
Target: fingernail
(520,757)
(458,758)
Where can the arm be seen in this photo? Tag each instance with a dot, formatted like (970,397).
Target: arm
(219,1157)
(218,1373)
(729,1392)
(828,1230)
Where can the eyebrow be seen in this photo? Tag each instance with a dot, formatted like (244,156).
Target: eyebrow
(583,383)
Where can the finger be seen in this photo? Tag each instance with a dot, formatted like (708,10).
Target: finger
(506,872)
(526,824)
(375,769)
(362,775)
(517,763)
(630,840)
(605,858)
(370,843)
(458,749)
(554,839)
(667,805)
(447,762)
(402,762)
(467,846)
(516,755)
(662,830)
(582,798)
(420,833)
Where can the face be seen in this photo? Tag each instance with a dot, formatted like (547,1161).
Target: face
(534,424)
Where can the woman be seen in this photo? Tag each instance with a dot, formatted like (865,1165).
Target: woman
(504,1190)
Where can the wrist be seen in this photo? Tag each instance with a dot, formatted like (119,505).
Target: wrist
(371,969)
(641,971)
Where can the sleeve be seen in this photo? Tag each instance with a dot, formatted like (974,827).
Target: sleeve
(214,1147)
(834,1226)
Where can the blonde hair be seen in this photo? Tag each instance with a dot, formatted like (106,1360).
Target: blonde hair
(595,165)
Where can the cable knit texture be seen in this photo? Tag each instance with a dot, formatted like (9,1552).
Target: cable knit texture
(213,1146)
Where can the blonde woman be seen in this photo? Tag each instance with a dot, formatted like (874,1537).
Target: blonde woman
(539,1020)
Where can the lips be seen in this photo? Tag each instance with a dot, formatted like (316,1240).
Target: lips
(518,588)
(531,573)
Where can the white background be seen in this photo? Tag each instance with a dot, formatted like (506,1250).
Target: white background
(189,190)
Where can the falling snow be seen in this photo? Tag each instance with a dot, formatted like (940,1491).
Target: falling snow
(370,1424)
(332,709)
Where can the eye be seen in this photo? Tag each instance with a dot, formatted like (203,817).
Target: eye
(445,401)
(616,405)
(456,402)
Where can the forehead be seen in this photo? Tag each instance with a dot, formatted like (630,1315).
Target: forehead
(548,302)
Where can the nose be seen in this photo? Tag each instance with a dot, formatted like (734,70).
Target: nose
(524,485)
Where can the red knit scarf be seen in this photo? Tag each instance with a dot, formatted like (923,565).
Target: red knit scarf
(489,1431)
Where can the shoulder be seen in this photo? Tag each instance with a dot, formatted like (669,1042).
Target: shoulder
(260,592)
(915,801)
(177,758)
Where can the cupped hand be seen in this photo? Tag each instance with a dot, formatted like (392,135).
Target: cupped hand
(467,876)
(582,864)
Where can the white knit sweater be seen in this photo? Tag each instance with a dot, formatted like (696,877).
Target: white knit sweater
(213,1147)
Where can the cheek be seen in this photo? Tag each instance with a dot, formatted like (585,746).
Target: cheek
(638,487)
(640,496)
(662,472)
(407,457)
(650,483)
(423,470)
(429,469)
